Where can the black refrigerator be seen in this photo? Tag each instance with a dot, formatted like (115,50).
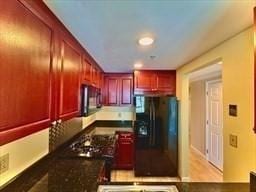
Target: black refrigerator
(156,136)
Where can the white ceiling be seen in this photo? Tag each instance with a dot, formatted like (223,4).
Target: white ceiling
(183,29)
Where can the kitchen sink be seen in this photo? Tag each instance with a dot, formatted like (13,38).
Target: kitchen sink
(137,188)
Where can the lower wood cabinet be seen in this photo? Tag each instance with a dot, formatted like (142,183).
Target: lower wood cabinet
(124,158)
(118,89)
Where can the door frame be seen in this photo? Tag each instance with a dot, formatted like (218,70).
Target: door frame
(207,117)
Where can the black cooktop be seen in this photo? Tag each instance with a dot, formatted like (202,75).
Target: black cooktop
(94,146)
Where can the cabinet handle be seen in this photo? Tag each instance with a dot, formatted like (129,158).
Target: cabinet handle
(54,123)
(59,121)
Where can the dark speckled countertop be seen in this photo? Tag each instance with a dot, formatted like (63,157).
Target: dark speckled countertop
(56,173)
(70,175)
(59,175)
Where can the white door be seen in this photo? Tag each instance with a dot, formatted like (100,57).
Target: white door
(214,123)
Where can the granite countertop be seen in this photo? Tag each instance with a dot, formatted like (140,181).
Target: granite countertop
(59,175)
(58,172)
(68,175)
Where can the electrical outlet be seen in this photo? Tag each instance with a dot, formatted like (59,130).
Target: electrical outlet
(119,115)
(233,140)
(4,163)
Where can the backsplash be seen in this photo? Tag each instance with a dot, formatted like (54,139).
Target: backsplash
(62,132)
(106,117)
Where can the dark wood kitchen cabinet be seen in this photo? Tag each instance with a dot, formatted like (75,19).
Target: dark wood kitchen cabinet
(112,90)
(40,69)
(118,89)
(126,90)
(26,72)
(124,158)
(69,79)
(93,80)
(92,75)
(98,78)
(166,81)
(144,80)
(155,82)
(87,67)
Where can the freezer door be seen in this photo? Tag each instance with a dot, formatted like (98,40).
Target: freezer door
(143,121)
(173,131)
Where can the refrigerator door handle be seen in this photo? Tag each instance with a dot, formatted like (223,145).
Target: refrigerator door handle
(154,125)
(150,123)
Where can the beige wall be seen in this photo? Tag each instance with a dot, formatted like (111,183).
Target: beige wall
(23,153)
(197,115)
(116,113)
(237,76)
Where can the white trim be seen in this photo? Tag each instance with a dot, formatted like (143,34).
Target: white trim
(207,117)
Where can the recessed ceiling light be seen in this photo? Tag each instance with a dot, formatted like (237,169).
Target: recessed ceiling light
(138,65)
(146,41)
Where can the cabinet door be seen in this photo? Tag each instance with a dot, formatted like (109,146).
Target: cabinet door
(126,90)
(125,154)
(166,81)
(87,71)
(144,81)
(93,75)
(101,81)
(25,72)
(98,79)
(112,93)
(69,83)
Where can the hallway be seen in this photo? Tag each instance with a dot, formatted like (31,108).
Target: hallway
(201,170)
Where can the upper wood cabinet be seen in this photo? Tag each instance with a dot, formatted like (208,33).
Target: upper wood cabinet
(126,90)
(26,72)
(87,71)
(112,90)
(69,80)
(93,81)
(118,89)
(144,80)
(91,75)
(154,82)
(166,81)
(40,69)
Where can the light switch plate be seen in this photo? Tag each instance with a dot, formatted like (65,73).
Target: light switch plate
(233,140)
(4,163)
(233,110)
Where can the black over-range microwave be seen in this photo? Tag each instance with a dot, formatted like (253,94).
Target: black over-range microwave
(90,100)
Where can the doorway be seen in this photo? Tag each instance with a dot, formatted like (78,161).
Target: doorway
(214,123)
(205,124)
